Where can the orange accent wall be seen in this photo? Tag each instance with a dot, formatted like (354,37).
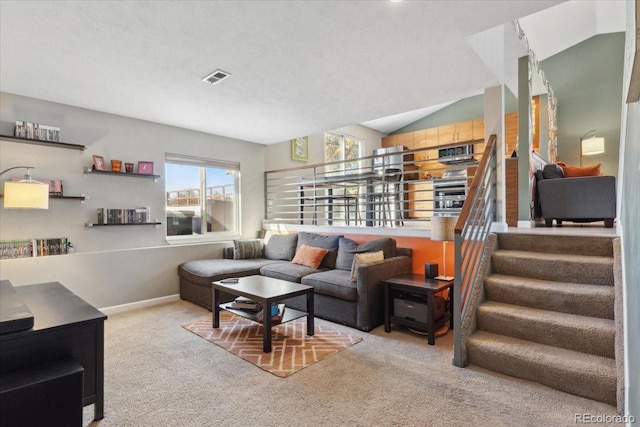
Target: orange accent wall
(424,250)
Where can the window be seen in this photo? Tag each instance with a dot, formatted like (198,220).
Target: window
(201,197)
(339,147)
(346,150)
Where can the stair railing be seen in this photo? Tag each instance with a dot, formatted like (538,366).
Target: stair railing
(471,230)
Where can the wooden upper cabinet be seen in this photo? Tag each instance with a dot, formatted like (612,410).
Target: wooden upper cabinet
(478,129)
(389,141)
(446,134)
(510,132)
(406,139)
(464,131)
(455,133)
(420,138)
(424,139)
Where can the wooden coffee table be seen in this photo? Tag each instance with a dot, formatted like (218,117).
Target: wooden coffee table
(267,291)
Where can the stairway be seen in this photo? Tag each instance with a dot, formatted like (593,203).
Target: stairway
(548,314)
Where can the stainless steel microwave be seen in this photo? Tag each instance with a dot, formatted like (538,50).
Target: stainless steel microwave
(456,154)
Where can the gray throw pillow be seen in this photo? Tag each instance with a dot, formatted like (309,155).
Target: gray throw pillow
(347,249)
(321,241)
(281,247)
(552,171)
(247,249)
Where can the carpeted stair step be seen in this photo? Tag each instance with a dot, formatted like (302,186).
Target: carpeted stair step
(572,332)
(572,298)
(577,373)
(578,245)
(597,270)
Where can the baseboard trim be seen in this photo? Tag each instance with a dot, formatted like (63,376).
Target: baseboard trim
(526,224)
(139,304)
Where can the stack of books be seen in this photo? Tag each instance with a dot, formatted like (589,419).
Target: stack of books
(244,303)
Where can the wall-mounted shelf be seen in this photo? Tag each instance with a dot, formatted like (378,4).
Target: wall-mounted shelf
(45,143)
(91,225)
(81,198)
(124,174)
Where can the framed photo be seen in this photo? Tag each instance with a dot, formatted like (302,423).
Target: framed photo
(145,168)
(300,148)
(98,163)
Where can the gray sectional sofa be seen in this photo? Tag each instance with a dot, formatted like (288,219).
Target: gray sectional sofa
(358,303)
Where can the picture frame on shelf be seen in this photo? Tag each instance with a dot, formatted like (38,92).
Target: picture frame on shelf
(300,149)
(98,163)
(116,165)
(145,168)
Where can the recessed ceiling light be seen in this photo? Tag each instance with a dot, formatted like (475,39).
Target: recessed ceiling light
(216,77)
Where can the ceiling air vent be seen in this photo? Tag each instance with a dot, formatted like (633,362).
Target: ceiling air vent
(216,77)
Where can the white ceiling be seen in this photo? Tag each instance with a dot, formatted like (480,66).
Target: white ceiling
(298,67)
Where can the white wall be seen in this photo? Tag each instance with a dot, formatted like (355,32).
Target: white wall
(114,265)
(278,156)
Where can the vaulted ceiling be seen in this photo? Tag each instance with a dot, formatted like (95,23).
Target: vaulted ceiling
(297,67)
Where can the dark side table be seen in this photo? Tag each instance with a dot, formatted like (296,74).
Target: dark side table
(416,284)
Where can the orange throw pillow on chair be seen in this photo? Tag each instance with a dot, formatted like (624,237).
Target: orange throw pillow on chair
(573,171)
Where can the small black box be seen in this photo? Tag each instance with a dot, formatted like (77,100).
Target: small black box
(430,270)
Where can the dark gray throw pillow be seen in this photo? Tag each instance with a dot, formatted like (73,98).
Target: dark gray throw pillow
(552,171)
(281,247)
(347,249)
(321,241)
(247,249)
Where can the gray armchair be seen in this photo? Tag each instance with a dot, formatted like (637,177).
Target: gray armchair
(577,199)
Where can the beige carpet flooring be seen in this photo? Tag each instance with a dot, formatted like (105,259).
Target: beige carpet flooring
(159,374)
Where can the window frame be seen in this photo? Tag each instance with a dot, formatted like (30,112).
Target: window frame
(343,137)
(203,163)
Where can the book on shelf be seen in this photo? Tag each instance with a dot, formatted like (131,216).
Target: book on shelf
(28,248)
(123,216)
(37,131)
(277,311)
(277,317)
(244,303)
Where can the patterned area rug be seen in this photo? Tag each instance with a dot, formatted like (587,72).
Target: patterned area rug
(292,349)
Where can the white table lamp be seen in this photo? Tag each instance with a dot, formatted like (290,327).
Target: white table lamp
(443,230)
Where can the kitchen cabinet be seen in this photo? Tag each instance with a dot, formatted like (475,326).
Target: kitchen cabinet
(478,135)
(421,200)
(456,132)
(406,140)
(400,139)
(511,191)
(424,139)
(390,141)
(510,133)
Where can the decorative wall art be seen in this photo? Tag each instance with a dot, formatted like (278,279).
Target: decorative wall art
(300,149)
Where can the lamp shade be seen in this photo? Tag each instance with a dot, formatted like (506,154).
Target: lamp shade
(443,228)
(592,146)
(26,195)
